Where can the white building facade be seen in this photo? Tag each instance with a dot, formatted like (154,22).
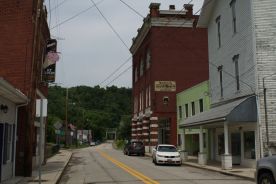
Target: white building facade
(10,100)
(242,70)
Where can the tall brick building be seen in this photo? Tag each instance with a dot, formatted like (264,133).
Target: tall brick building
(24,35)
(169,55)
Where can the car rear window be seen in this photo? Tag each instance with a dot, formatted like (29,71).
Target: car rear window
(137,143)
(167,149)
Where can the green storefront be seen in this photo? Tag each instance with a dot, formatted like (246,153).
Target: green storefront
(189,103)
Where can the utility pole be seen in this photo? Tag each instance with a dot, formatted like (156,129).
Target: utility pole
(265,109)
(66,117)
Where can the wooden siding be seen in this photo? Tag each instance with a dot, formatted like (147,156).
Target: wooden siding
(264,15)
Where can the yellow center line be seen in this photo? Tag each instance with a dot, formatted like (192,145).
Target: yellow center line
(126,168)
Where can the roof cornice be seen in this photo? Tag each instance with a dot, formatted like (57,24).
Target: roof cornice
(158,22)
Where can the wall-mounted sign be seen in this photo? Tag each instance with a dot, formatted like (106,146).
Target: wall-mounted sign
(49,65)
(165,86)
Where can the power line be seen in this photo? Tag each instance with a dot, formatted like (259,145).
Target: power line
(132,9)
(109,24)
(76,15)
(119,75)
(179,12)
(109,76)
(58,5)
(205,5)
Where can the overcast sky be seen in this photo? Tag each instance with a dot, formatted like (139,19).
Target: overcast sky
(90,51)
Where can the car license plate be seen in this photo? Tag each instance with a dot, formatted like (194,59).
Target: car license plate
(169,160)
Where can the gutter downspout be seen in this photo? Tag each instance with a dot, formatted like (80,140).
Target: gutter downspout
(15,136)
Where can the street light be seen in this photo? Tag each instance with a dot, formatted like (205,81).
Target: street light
(265,108)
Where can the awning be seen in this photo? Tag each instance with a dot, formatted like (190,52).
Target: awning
(9,92)
(241,110)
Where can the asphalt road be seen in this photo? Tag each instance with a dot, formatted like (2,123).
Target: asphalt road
(104,165)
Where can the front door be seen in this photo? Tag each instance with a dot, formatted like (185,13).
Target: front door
(236,148)
(1,148)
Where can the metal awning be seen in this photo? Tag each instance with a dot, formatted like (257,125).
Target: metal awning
(11,93)
(241,110)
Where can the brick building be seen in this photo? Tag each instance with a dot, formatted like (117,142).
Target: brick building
(24,34)
(169,55)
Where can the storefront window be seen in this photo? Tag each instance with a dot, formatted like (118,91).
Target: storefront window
(249,145)
(221,148)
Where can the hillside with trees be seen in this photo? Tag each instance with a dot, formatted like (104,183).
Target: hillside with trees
(91,108)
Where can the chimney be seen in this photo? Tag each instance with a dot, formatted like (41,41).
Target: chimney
(189,9)
(154,9)
(172,7)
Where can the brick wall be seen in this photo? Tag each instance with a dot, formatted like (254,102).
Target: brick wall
(20,64)
(177,54)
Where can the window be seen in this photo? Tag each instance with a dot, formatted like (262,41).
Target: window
(141,68)
(249,145)
(193,108)
(148,59)
(7,143)
(218,31)
(221,148)
(140,101)
(180,112)
(179,140)
(237,77)
(146,97)
(220,80)
(234,19)
(149,97)
(200,105)
(186,110)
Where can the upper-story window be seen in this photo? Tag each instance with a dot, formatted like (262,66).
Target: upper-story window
(220,81)
(148,59)
(237,73)
(149,96)
(141,67)
(201,105)
(218,31)
(186,110)
(180,111)
(193,108)
(234,18)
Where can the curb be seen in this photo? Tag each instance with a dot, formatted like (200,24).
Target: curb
(59,177)
(222,172)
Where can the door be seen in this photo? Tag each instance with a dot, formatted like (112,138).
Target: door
(236,148)
(1,148)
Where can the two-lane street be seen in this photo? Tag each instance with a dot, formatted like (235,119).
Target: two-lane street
(103,164)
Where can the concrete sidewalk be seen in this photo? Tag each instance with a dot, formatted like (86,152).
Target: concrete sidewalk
(51,172)
(246,173)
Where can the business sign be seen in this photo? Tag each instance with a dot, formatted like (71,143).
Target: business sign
(49,65)
(165,86)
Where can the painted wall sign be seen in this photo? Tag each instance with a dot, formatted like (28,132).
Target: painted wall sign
(165,86)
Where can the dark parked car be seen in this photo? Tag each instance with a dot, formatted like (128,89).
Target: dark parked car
(134,147)
(266,170)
